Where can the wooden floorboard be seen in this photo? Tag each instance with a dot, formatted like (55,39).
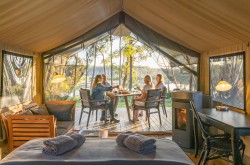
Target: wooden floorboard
(124,124)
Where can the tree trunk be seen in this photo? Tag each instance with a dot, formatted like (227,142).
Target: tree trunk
(111,60)
(93,74)
(87,66)
(125,73)
(120,75)
(130,73)
(191,75)
(104,65)
(168,90)
(190,82)
(175,81)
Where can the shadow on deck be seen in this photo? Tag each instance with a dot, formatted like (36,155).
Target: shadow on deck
(125,124)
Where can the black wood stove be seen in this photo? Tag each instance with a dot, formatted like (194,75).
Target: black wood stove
(182,116)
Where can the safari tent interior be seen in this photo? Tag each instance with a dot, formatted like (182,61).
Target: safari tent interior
(51,51)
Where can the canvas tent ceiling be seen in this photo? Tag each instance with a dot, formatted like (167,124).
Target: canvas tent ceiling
(199,25)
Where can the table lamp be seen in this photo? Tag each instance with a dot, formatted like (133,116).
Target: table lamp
(222,86)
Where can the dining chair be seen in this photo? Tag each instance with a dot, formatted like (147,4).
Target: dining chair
(92,105)
(163,100)
(152,101)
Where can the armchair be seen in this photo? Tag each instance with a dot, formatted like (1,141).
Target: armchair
(23,128)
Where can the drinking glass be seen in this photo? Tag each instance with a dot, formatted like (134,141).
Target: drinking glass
(135,88)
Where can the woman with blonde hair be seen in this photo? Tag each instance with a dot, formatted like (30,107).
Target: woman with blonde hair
(139,100)
(159,82)
(98,93)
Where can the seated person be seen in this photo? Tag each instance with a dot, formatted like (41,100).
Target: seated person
(105,83)
(98,93)
(109,94)
(159,82)
(139,99)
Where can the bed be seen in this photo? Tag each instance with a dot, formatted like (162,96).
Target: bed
(98,151)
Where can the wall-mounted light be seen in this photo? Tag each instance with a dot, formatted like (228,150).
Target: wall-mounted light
(57,78)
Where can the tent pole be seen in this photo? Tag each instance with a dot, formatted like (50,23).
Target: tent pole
(104,65)
(111,59)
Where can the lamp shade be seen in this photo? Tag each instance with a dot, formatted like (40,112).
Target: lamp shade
(223,86)
(57,78)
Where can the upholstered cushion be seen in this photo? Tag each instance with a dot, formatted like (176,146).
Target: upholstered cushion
(42,110)
(27,112)
(63,112)
(63,127)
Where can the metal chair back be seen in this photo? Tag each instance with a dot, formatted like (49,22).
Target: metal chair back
(85,97)
(164,92)
(153,98)
(200,123)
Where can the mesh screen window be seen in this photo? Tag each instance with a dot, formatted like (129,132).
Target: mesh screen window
(16,80)
(231,69)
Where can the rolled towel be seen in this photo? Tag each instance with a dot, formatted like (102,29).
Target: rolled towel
(148,149)
(140,143)
(59,145)
(122,136)
(79,138)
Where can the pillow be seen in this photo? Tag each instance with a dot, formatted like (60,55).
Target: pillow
(42,110)
(27,112)
(61,111)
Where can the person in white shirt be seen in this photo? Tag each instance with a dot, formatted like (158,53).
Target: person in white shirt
(139,99)
(159,82)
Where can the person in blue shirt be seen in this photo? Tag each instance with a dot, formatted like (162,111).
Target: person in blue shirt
(107,84)
(98,93)
(111,95)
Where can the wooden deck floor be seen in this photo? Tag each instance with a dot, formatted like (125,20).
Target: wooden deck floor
(124,124)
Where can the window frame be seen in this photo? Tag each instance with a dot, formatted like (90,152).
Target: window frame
(243,53)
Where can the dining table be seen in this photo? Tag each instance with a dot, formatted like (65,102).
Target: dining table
(125,96)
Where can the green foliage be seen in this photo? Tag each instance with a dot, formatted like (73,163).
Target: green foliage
(130,48)
(138,52)
(168,95)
